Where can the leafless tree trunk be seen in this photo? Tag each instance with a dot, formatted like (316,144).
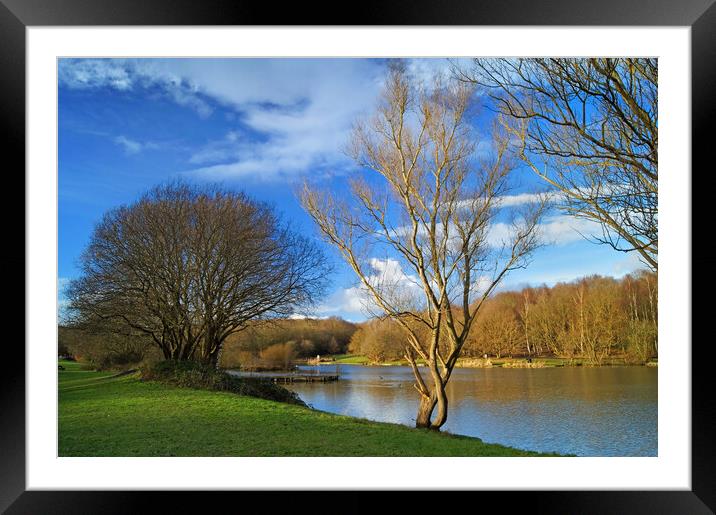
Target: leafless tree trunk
(652,296)
(579,301)
(525,320)
(431,218)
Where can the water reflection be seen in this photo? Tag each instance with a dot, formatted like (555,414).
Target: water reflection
(582,411)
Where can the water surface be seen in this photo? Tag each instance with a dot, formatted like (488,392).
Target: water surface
(607,411)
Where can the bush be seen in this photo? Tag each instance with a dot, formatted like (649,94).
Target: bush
(62,348)
(279,356)
(189,374)
(103,350)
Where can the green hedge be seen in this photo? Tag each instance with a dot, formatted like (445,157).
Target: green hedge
(190,374)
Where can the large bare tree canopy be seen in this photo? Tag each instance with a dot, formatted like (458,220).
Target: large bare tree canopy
(188,266)
(428,204)
(589,127)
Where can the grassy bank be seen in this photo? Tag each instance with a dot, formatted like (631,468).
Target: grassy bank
(350,359)
(105,415)
(355,359)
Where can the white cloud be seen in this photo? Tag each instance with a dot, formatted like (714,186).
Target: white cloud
(96,73)
(631,262)
(428,71)
(304,108)
(389,271)
(302,316)
(481,285)
(352,300)
(305,120)
(562,229)
(553,230)
(220,150)
(388,276)
(520,199)
(131,74)
(132,147)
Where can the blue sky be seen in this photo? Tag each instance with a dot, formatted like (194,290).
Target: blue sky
(259,125)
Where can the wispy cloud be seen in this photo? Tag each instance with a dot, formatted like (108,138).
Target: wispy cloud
(133,74)
(388,276)
(303,130)
(556,229)
(132,147)
(301,109)
(227,148)
(430,71)
(117,74)
(521,199)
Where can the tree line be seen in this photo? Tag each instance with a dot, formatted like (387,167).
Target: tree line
(272,343)
(594,319)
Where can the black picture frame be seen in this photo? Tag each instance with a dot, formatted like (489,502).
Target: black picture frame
(17,15)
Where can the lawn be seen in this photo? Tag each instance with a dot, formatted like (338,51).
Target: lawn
(105,415)
(350,359)
(356,359)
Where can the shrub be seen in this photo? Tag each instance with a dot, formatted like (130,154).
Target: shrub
(234,357)
(189,374)
(103,350)
(280,355)
(523,364)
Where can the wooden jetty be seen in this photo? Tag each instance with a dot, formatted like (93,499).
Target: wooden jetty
(289,376)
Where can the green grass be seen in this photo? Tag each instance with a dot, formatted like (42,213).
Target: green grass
(350,359)
(104,415)
(355,359)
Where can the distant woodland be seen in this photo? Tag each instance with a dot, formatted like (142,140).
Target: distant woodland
(594,319)
(277,343)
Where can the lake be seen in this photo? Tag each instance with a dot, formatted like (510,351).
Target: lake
(607,411)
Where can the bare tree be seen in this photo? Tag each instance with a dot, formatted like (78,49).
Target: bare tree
(589,128)
(378,340)
(189,266)
(427,204)
(524,314)
(498,327)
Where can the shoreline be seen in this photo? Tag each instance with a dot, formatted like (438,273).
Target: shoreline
(489,363)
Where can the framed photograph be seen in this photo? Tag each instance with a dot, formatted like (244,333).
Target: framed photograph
(421,244)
